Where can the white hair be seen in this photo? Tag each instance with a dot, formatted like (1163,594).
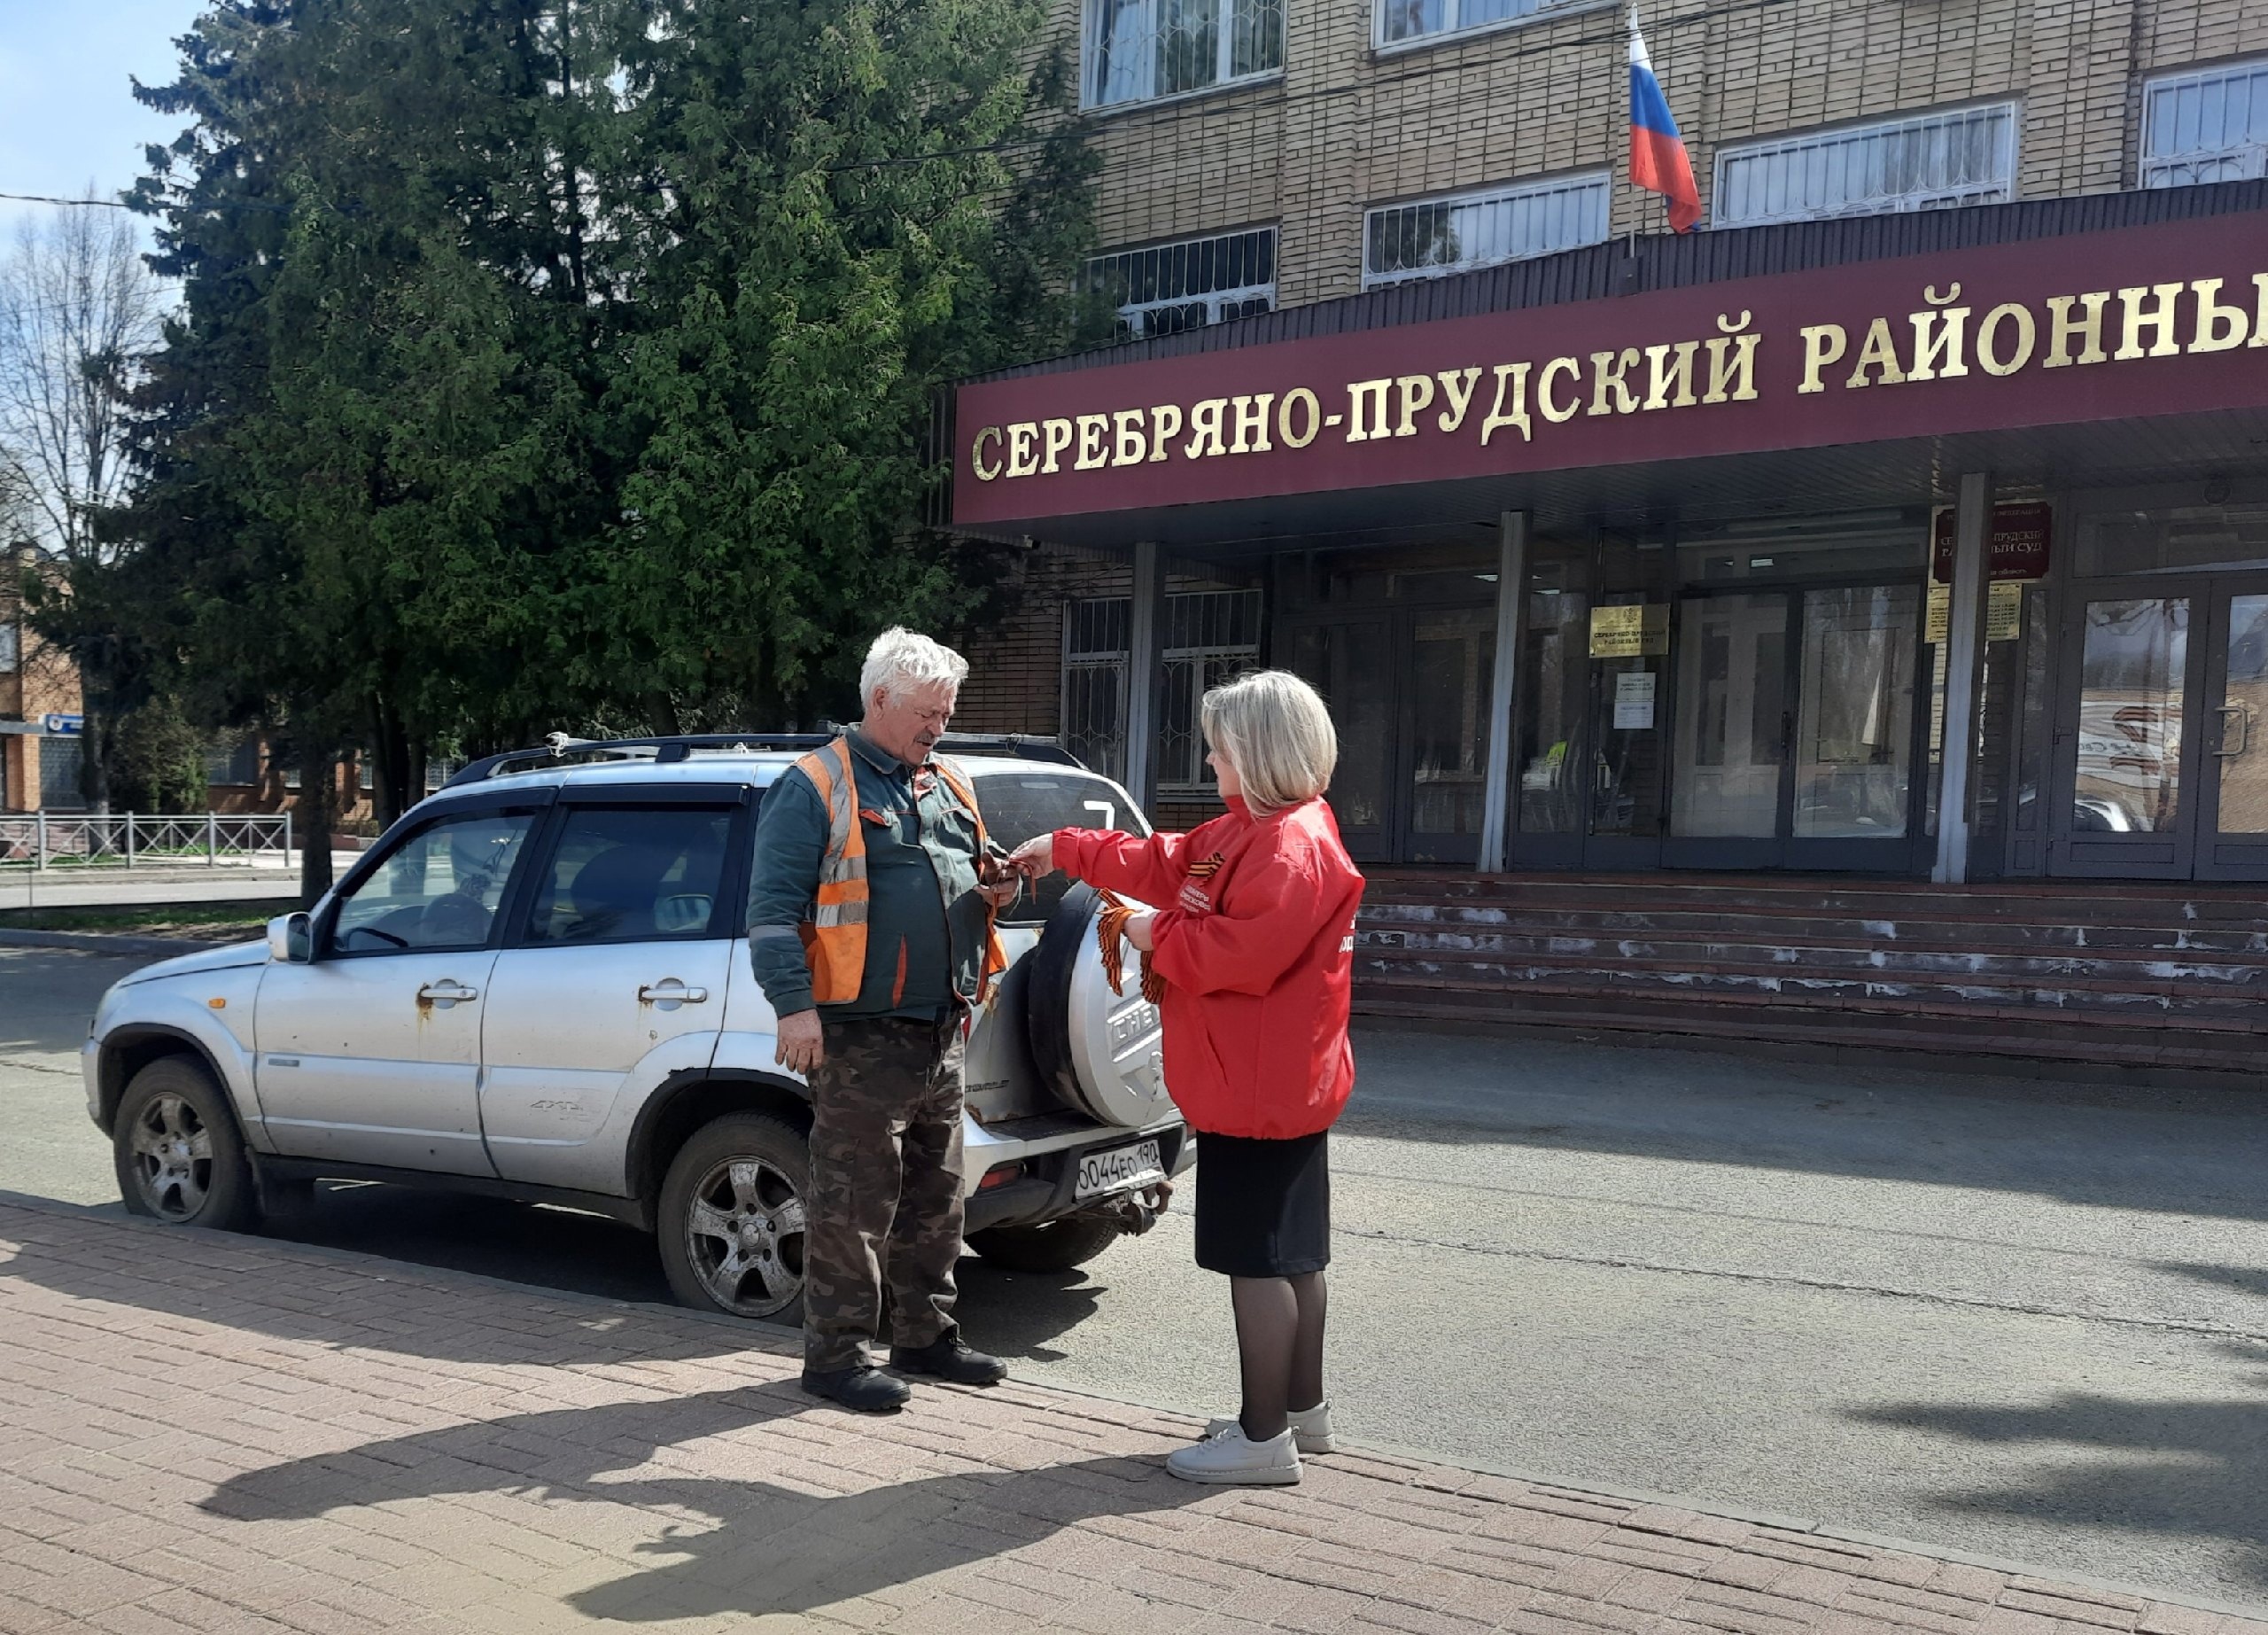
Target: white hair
(902,657)
(1278,735)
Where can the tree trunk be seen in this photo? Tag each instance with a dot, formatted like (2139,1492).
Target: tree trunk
(97,750)
(399,785)
(318,809)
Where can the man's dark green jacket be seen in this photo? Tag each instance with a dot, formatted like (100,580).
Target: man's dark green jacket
(925,918)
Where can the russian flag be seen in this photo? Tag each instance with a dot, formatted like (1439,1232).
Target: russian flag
(1658,161)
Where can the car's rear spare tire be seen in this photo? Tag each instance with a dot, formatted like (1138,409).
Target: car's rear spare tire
(1101,1052)
(1048,1246)
(178,1154)
(731,1219)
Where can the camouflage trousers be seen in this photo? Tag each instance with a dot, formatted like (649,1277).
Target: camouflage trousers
(884,1201)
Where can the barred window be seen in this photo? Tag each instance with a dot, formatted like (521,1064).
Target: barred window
(1435,236)
(2209,126)
(1209,636)
(234,765)
(1933,161)
(1168,288)
(1418,19)
(1138,50)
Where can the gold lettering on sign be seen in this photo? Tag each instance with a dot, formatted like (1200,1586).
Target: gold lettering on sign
(1366,409)
(1514,374)
(1251,418)
(1823,344)
(1456,386)
(976,455)
(1023,454)
(1132,447)
(1878,352)
(2063,329)
(1165,426)
(1093,454)
(1056,436)
(2219,327)
(1670,383)
(1989,356)
(2158,320)
(1310,407)
(1553,371)
(1732,361)
(1937,336)
(1607,370)
(1205,428)
(1415,392)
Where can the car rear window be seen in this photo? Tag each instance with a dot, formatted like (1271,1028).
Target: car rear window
(1021,804)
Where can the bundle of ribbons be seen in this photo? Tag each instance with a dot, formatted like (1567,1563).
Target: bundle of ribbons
(1110,931)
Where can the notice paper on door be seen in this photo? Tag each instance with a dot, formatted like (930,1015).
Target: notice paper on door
(1633,699)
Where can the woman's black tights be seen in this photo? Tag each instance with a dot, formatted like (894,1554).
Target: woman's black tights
(1279,1348)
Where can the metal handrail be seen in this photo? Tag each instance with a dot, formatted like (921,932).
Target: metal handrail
(80,839)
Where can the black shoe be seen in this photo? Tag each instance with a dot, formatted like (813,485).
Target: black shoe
(950,1360)
(860,1389)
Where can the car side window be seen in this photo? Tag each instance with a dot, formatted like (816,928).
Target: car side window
(633,874)
(1021,803)
(439,889)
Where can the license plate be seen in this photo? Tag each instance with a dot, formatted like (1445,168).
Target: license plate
(1117,1169)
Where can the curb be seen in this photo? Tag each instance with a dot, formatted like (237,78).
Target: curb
(99,942)
(775,1337)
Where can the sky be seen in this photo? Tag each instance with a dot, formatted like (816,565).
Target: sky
(67,114)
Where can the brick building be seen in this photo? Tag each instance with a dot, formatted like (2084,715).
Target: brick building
(1908,522)
(37,767)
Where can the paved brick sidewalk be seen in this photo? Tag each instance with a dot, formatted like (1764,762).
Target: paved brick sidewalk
(200,1432)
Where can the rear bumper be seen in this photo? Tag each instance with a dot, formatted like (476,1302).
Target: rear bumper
(1044,1191)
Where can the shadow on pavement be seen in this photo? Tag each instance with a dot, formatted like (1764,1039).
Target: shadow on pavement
(772,1550)
(2179,1469)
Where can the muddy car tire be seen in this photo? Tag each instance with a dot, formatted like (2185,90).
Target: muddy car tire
(730,1220)
(177,1152)
(1048,1246)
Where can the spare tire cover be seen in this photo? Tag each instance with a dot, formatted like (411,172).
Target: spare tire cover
(1101,1052)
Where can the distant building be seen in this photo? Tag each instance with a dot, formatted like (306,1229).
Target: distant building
(39,705)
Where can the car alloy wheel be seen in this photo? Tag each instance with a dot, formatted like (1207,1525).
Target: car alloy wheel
(744,1237)
(173,1157)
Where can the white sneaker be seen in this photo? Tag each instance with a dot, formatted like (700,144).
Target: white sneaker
(1229,1459)
(1311,1429)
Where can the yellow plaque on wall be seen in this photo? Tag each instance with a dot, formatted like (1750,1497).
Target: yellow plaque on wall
(1637,631)
(2003,612)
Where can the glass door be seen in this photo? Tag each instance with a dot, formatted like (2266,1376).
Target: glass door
(1350,662)
(2233,770)
(2125,764)
(1729,752)
(1450,657)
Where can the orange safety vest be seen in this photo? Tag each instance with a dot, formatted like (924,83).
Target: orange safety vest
(835,938)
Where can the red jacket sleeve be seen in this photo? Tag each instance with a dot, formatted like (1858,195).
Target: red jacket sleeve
(1149,871)
(1281,903)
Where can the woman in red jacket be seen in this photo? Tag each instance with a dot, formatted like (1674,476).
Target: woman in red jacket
(1255,945)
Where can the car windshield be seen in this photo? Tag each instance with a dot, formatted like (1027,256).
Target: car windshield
(1021,804)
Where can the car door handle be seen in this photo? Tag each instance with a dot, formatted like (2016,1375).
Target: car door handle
(672,989)
(454,991)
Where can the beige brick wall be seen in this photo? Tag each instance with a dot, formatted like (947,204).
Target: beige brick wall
(1348,127)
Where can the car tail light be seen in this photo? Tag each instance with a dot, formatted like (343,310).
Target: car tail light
(1000,1175)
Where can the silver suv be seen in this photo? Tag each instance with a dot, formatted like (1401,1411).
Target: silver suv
(537,985)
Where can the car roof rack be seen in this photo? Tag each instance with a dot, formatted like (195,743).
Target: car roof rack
(560,748)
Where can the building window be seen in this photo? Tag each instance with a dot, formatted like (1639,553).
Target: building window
(2210,126)
(1400,21)
(11,647)
(1139,50)
(1935,161)
(1210,636)
(234,766)
(1171,287)
(1436,235)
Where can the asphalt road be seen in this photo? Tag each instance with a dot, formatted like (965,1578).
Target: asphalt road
(2020,1320)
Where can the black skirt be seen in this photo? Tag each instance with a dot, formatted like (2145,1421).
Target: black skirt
(1264,1207)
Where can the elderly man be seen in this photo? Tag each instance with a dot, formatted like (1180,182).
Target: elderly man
(872,937)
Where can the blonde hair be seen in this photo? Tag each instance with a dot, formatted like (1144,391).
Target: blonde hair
(902,657)
(1278,735)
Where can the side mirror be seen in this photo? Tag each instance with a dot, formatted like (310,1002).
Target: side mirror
(291,939)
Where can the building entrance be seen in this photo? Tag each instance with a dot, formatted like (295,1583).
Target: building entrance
(2160,767)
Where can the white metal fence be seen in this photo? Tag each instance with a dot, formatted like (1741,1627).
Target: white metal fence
(78,840)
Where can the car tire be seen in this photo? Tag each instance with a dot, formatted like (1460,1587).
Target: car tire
(1047,1245)
(178,1154)
(730,1219)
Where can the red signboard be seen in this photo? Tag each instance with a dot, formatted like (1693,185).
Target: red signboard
(2163,320)
(2018,546)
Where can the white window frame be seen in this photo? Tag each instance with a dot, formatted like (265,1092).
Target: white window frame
(1597,181)
(1220,304)
(11,647)
(1543,11)
(2232,162)
(1091,15)
(1185,666)
(1826,138)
